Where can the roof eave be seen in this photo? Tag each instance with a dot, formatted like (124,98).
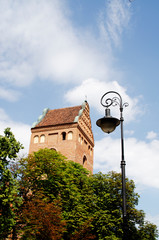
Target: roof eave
(55,125)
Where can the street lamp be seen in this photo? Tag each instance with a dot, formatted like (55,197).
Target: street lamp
(108,125)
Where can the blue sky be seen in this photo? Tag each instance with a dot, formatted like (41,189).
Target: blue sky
(57,53)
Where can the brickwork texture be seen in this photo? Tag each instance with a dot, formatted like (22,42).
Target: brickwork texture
(66,130)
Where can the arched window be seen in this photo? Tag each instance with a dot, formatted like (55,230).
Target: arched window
(54,149)
(84,161)
(42,138)
(63,135)
(36,139)
(70,135)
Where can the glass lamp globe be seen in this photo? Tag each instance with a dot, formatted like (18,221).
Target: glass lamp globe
(108,123)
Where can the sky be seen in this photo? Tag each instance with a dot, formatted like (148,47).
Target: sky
(56,54)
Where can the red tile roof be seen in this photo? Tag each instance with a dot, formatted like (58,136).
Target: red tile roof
(59,116)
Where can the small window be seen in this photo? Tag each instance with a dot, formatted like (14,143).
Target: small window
(63,135)
(84,161)
(79,138)
(91,151)
(36,139)
(42,138)
(70,135)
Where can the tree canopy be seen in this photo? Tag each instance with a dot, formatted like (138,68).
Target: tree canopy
(9,199)
(49,197)
(91,205)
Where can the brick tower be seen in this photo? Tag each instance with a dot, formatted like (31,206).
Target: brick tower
(67,130)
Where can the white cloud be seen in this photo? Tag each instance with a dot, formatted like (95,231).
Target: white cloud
(141,159)
(9,94)
(3,116)
(38,40)
(151,135)
(20,130)
(94,90)
(115,21)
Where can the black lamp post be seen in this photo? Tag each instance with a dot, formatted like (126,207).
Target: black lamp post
(108,125)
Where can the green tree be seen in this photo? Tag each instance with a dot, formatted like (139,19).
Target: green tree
(9,199)
(107,218)
(48,172)
(91,205)
(147,231)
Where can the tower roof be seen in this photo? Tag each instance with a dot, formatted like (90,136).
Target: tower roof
(59,116)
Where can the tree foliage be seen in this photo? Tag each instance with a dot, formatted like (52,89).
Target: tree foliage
(9,199)
(147,231)
(48,172)
(91,205)
(49,197)
(42,219)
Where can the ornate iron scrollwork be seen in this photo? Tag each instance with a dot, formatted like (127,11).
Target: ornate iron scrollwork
(114,101)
